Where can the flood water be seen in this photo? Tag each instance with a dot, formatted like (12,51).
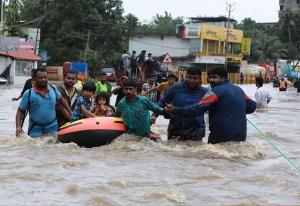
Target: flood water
(131,172)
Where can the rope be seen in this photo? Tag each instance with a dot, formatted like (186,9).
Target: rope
(291,162)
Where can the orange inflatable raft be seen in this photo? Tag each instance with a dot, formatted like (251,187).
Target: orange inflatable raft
(92,132)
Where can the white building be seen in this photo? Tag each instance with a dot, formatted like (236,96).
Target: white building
(160,45)
(21,63)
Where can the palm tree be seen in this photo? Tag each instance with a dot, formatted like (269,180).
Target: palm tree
(287,19)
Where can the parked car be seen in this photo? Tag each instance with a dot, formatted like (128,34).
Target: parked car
(110,74)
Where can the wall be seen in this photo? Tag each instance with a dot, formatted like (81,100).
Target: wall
(176,47)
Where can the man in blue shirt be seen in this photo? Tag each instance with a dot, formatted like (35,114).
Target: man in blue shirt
(183,94)
(40,101)
(227,105)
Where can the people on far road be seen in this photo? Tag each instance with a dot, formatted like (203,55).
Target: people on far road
(126,62)
(164,86)
(149,66)
(186,93)
(282,84)
(141,64)
(69,93)
(103,85)
(241,78)
(153,96)
(262,96)
(134,110)
(83,102)
(133,65)
(28,85)
(297,85)
(227,105)
(119,89)
(40,101)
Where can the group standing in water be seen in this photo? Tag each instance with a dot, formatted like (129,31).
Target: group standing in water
(184,103)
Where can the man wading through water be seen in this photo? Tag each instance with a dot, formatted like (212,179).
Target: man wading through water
(40,101)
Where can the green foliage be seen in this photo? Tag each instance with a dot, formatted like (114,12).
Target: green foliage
(161,24)
(269,44)
(12,18)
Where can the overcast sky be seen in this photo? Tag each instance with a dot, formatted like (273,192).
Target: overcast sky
(259,10)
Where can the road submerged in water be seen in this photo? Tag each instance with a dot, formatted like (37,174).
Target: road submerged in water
(132,172)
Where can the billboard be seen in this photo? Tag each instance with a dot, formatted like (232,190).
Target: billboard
(246,46)
(189,31)
(210,60)
(211,32)
(233,35)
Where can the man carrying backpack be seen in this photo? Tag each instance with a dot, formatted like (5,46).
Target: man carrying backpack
(40,101)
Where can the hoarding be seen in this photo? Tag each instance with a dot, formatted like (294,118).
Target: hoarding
(246,46)
(211,32)
(210,60)
(233,35)
(189,31)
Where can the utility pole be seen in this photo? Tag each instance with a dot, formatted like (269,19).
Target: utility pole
(87,45)
(229,8)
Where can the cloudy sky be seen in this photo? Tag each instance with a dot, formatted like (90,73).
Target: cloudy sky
(259,10)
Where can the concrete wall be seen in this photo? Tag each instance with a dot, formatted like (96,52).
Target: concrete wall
(176,47)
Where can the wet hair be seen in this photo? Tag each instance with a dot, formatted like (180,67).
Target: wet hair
(123,78)
(130,83)
(40,69)
(170,76)
(221,71)
(194,71)
(32,72)
(259,81)
(89,86)
(102,95)
(102,74)
(151,76)
(70,72)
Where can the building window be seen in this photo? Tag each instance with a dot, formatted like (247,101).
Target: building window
(281,8)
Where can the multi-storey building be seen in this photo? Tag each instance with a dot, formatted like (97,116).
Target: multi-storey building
(289,5)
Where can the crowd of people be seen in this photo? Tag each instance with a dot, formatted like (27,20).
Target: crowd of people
(139,66)
(184,103)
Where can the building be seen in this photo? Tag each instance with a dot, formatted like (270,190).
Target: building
(19,55)
(159,45)
(289,5)
(203,42)
(220,44)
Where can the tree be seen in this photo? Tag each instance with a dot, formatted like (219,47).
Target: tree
(289,32)
(12,18)
(66,26)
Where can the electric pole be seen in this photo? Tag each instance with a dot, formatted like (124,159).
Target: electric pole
(229,8)
(87,45)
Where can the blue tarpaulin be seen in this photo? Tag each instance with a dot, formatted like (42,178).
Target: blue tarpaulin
(81,67)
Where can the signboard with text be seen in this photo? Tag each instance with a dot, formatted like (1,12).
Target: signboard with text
(210,60)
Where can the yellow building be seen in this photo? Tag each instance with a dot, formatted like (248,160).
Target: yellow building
(220,43)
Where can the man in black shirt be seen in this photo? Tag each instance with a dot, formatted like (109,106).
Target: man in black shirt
(27,85)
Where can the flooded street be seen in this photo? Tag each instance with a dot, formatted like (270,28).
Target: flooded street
(131,172)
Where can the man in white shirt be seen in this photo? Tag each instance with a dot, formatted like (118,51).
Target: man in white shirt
(262,96)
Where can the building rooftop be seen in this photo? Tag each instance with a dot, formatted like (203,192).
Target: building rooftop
(211,19)
(21,55)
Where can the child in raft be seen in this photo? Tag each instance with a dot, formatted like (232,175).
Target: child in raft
(102,107)
(83,102)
